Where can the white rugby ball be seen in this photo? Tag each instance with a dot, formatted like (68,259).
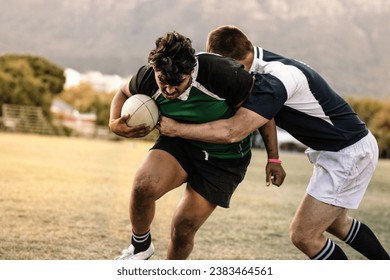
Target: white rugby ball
(142,109)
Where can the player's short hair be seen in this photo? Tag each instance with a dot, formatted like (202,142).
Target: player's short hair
(230,41)
(173,57)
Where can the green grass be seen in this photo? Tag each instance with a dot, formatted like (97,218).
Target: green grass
(67,198)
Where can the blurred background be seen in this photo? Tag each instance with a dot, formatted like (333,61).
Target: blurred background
(61,61)
(65,179)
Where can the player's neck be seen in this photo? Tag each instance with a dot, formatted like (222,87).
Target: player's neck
(247,61)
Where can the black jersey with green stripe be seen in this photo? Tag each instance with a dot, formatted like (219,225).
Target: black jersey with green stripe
(218,85)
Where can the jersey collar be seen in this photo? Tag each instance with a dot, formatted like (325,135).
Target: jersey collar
(258,62)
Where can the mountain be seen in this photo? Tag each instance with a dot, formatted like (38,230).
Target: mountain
(345,40)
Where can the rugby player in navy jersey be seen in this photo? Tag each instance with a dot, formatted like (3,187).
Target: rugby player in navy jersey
(195,89)
(341,148)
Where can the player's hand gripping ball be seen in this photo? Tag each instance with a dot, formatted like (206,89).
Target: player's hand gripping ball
(142,110)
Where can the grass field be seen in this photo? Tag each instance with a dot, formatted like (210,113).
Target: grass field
(67,198)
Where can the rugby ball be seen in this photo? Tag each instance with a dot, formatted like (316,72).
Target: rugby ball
(142,110)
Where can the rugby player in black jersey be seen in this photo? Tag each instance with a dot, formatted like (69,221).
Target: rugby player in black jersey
(193,89)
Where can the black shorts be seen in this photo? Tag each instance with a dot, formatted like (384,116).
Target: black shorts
(213,178)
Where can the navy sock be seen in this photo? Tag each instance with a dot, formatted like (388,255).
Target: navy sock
(362,239)
(141,242)
(331,251)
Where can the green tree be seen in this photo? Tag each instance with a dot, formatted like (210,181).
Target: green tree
(380,127)
(376,114)
(102,110)
(86,99)
(366,108)
(29,80)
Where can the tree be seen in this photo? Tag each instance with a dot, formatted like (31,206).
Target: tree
(86,99)
(366,108)
(380,126)
(376,114)
(29,80)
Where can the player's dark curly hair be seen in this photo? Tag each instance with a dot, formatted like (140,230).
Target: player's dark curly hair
(173,57)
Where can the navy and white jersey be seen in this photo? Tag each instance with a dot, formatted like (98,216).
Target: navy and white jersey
(302,103)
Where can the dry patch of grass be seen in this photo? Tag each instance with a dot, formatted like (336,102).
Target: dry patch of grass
(67,198)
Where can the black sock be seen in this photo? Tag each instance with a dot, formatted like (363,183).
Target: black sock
(362,239)
(331,251)
(141,242)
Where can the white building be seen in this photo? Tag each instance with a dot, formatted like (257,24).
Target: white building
(99,81)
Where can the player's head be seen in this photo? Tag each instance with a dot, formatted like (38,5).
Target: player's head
(173,58)
(230,41)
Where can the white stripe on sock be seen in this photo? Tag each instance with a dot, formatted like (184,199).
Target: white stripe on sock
(141,238)
(353,232)
(326,251)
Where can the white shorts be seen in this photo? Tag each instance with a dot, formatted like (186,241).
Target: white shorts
(341,178)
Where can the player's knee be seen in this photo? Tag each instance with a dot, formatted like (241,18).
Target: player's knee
(297,236)
(183,231)
(304,237)
(144,188)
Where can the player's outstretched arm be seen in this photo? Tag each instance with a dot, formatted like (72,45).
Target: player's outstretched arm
(229,130)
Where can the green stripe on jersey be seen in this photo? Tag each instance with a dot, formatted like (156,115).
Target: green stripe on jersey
(201,107)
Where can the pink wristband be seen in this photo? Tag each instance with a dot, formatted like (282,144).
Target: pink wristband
(273,160)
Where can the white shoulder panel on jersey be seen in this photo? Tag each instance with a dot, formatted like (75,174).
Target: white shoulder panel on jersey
(299,94)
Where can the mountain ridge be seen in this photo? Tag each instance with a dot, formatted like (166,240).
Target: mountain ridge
(345,40)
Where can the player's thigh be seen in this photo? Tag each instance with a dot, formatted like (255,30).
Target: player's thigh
(191,212)
(314,217)
(159,173)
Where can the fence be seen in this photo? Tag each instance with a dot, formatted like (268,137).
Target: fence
(25,119)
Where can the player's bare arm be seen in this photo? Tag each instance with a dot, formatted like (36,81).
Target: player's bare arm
(221,131)
(117,123)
